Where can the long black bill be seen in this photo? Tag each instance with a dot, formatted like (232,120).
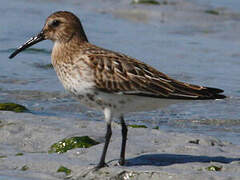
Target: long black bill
(30,42)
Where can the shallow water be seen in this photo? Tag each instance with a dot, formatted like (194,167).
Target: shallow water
(231,4)
(186,52)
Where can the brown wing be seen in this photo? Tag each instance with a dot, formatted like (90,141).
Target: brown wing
(118,73)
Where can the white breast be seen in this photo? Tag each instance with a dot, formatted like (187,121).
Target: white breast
(77,78)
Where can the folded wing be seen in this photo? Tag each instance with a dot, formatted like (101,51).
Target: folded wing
(118,73)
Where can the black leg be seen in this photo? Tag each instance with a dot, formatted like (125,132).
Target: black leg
(124,140)
(107,140)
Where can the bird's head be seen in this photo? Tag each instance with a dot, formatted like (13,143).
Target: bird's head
(61,26)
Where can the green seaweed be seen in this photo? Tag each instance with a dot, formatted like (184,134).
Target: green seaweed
(19,154)
(12,107)
(214,168)
(64,170)
(3,157)
(156,127)
(6,124)
(137,126)
(44,66)
(25,168)
(206,31)
(71,143)
(212,11)
(154,2)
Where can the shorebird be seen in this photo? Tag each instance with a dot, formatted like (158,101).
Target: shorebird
(108,81)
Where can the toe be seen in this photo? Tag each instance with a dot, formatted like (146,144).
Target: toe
(100,165)
(121,162)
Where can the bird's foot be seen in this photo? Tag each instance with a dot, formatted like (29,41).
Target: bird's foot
(91,170)
(121,162)
(100,165)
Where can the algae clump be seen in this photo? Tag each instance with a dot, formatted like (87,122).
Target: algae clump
(214,168)
(154,2)
(212,11)
(19,154)
(12,107)
(44,66)
(64,170)
(25,168)
(137,126)
(71,143)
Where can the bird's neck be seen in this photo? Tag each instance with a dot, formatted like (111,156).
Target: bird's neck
(66,52)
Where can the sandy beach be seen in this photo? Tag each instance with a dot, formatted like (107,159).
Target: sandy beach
(151,153)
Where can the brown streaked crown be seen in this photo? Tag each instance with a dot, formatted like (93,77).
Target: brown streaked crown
(62,26)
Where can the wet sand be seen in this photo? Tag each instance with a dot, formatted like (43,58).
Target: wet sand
(151,153)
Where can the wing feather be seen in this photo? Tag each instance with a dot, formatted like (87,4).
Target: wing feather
(118,73)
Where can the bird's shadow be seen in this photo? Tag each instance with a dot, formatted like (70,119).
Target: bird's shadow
(170,159)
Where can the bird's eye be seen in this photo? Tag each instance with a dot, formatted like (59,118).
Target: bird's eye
(55,23)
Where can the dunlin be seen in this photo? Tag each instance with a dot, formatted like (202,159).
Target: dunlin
(109,81)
